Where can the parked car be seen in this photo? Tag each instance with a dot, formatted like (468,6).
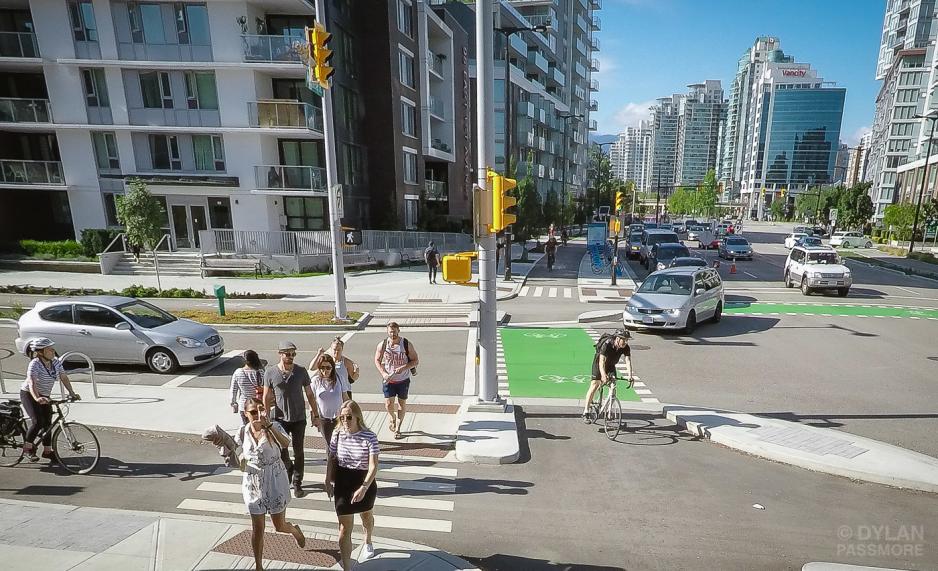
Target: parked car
(850,240)
(694,230)
(662,254)
(688,261)
(817,267)
(633,248)
(792,239)
(650,225)
(801,230)
(652,237)
(809,241)
(114,329)
(709,241)
(734,248)
(676,299)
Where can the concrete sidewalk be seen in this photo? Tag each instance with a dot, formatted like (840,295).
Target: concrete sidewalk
(898,263)
(56,537)
(819,449)
(596,288)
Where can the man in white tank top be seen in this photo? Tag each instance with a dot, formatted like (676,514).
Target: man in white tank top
(395,357)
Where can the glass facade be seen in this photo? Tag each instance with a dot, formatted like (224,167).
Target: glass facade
(799,147)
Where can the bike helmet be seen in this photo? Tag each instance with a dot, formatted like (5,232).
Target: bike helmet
(37,344)
(624,334)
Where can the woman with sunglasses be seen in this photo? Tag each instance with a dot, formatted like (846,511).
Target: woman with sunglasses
(345,369)
(265,485)
(246,383)
(350,479)
(331,391)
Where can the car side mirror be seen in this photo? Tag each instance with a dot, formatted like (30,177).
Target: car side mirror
(699,291)
(123,326)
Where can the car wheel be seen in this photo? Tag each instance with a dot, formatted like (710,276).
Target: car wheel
(805,288)
(718,314)
(691,323)
(843,291)
(869,245)
(788,282)
(161,360)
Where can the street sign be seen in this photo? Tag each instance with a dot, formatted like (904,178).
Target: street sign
(311,82)
(339,202)
(833,216)
(351,237)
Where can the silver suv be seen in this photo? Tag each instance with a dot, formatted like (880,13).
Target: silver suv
(817,267)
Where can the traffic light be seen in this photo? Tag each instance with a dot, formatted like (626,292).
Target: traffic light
(320,54)
(782,193)
(620,199)
(501,201)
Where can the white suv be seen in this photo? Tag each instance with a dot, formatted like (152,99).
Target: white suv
(817,267)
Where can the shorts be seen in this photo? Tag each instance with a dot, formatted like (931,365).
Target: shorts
(399,389)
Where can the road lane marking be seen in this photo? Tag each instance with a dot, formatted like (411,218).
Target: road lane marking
(552,292)
(906,290)
(469,380)
(751,275)
(538,291)
(347,336)
(524,291)
(568,292)
(182,379)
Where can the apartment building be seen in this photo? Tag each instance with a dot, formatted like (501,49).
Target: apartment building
(701,114)
(858,162)
(906,57)
(207,103)
(630,155)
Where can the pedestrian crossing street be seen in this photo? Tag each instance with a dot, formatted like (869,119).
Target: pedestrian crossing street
(414,494)
(545,291)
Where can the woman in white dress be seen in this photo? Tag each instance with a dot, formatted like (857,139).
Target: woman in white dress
(265,486)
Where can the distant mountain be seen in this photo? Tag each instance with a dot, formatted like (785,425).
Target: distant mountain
(602,139)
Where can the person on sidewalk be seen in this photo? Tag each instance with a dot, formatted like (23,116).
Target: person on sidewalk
(432,257)
(330,390)
(247,382)
(286,384)
(350,479)
(265,485)
(396,361)
(43,371)
(345,369)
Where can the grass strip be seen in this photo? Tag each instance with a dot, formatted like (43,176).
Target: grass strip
(887,265)
(261,317)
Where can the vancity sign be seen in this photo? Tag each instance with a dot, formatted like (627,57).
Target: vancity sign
(788,72)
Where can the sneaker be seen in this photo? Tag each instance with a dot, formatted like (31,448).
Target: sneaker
(587,418)
(298,491)
(368,551)
(29,451)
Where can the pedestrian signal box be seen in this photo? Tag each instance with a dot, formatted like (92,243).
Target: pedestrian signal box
(457,268)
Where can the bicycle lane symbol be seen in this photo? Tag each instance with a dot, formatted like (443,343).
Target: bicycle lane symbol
(537,335)
(559,379)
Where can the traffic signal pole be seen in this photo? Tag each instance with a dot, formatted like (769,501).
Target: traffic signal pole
(335,220)
(485,143)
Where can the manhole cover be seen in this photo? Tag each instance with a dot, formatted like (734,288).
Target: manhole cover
(639,347)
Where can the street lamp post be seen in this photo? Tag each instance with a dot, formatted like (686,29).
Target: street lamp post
(506,33)
(933,115)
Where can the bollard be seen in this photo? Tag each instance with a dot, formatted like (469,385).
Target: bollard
(220,294)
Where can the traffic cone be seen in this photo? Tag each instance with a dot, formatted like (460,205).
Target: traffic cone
(733,267)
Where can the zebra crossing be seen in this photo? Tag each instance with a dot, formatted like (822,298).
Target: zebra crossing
(640,388)
(501,368)
(414,494)
(546,291)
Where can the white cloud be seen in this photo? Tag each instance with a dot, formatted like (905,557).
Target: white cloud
(854,138)
(630,114)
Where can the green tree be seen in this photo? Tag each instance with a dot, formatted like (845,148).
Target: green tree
(777,209)
(680,202)
(899,218)
(141,214)
(854,206)
(705,200)
(530,216)
(552,209)
(600,178)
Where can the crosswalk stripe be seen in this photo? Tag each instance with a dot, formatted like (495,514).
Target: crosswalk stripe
(385,521)
(395,467)
(417,485)
(567,292)
(552,292)
(642,392)
(524,291)
(538,291)
(397,502)
(650,400)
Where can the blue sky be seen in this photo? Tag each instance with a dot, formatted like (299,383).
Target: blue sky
(653,48)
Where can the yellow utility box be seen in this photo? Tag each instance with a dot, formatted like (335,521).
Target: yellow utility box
(457,268)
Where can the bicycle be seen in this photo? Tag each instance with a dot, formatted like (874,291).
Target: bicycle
(608,408)
(74,445)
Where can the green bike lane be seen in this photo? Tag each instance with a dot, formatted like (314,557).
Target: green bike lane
(551,363)
(829,310)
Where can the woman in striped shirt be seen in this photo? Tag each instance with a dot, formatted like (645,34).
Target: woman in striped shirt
(350,479)
(44,369)
(245,383)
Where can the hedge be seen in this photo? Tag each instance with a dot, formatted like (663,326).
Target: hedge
(60,249)
(95,240)
(132,291)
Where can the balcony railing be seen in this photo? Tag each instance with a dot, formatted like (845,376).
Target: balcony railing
(441,146)
(284,177)
(594,105)
(596,4)
(595,23)
(31,172)
(592,125)
(277,49)
(540,19)
(594,43)
(15,110)
(594,85)
(436,107)
(435,62)
(436,190)
(594,64)
(18,44)
(284,115)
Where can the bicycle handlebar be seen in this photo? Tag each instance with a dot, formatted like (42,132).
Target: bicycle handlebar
(66,400)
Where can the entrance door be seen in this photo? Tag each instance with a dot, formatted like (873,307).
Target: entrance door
(188,220)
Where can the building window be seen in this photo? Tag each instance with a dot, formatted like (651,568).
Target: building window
(405,17)
(157,93)
(146,23)
(105,151)
(219,210)
(354,168)
(349,109)
(209,152)
(84,28)
(201,92)
(408,119)
(192,24)
(410,168)
(95,87)
(164,152)
(349,58)
(304,213)
(407,69)
(110,209)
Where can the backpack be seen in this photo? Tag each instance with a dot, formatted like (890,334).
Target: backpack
(603,339)
(384,347)
(429,256)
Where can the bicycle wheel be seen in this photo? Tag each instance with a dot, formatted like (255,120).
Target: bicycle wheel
(76,447)
(11,447)
(612,419)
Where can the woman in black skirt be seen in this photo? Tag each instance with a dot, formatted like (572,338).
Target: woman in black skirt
(350,479)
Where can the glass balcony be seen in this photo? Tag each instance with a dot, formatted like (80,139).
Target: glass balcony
(31,172)
(278,49)
(283,114)
(18,44)
(596,4)
(557,76)
(594,105)
(436,107)
(540,19)
(436,190)
(594,43)
(435,62)
(594,85)
(594,64)
(595,23)
(592,125)
(285,177)
(441,146)
(14,110)
(536,61)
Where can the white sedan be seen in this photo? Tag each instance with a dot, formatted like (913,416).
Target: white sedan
(850,239)
(793,239)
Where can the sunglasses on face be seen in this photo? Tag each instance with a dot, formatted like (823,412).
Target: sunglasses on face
(346,417)
(252,412)
(288,353)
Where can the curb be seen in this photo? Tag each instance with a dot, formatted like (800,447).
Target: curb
(770,452)
(357,326)
(599,316)
(473,448)
(896,268)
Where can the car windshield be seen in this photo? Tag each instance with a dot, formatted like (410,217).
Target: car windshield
(667,284)
(737,242)
(635,236)
(145,315)
(822,258)
(811,241)
(668,251)
(690,262)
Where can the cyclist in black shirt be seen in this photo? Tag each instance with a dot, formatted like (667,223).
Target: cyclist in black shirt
(608,353)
